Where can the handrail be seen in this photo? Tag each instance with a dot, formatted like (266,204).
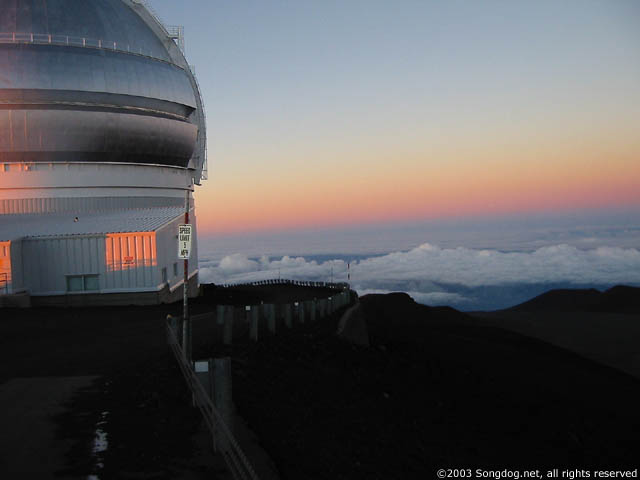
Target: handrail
(72,41)
(233,456)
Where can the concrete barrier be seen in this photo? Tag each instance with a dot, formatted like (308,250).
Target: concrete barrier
(234,321)
(270,315)
(222,398)
(287,315)
(227,332)
(255,322)
(313,310)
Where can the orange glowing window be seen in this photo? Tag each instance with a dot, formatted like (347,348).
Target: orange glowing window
(125,251)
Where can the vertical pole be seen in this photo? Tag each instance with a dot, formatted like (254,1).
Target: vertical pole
(186,324)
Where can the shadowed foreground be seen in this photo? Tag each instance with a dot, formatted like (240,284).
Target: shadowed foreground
(435,390)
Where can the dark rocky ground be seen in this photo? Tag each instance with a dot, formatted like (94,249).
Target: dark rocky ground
(151,430)
(435,390)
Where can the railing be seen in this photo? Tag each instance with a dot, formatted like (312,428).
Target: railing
(175,32)
(300,283)
(273,316)
(233,456)
(71,41)
(202,135)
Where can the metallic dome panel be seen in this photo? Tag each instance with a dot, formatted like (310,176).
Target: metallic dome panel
(87,102)
(106,20)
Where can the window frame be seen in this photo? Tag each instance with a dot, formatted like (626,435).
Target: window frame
(83,278)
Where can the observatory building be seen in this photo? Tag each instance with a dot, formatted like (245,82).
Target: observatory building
(102,139)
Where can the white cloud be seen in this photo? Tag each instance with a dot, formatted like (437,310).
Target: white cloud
(237,263)
(453,276)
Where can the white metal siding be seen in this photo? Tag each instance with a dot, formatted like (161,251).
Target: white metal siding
(48,261)
(17,269)
(124,262)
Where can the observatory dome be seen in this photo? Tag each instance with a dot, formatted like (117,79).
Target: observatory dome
(102,138)
(91,81)
(95,19)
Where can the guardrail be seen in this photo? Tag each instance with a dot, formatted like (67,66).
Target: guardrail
(71,41)
(233,456)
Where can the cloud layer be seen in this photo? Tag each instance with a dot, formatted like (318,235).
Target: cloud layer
(462,277)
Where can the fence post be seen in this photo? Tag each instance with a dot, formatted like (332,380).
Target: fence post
(270,310)
(314,307)
(287,315)
(227,330)
(255,320)
(202,369)
(220,314)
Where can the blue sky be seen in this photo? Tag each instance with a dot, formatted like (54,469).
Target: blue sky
(525,106)
(471,153)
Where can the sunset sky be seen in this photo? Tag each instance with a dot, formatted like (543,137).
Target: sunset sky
(332,113)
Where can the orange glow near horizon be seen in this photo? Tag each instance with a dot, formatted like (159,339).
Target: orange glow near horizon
(417,188)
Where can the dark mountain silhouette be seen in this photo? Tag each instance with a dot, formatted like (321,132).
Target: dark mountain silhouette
(619,299)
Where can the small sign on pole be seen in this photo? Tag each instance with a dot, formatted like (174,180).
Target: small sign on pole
(184,241)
